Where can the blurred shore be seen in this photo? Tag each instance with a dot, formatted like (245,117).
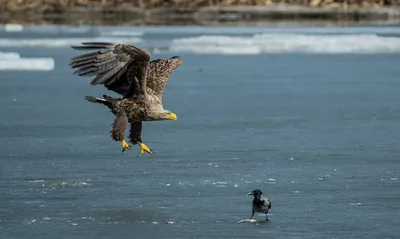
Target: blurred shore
(195,12)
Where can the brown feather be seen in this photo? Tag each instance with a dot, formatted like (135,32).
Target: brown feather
(115,66)
(159,72)
(119,126)
(135,133)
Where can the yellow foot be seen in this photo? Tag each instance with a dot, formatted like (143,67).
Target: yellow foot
(125,145)
(145,148)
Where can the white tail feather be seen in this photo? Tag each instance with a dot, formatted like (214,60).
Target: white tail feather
(94,99)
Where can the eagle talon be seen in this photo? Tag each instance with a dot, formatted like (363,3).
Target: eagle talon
(125,146)
(145,149)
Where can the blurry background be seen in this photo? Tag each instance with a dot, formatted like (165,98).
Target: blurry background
(296,98)
(194,12)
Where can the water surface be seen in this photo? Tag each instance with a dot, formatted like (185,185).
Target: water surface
(317,132)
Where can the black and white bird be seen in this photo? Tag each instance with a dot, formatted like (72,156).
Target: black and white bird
(260,203)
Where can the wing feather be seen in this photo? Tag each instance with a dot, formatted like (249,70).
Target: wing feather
(113,65)
(159,72)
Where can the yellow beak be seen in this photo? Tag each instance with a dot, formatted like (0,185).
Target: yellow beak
(172,116)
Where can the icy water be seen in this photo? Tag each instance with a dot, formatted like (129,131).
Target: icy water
(310,116)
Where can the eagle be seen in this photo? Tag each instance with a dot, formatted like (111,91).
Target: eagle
(128,71)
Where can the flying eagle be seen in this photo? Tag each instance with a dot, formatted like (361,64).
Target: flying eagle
(128,71)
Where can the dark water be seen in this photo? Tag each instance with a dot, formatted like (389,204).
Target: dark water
(318,134)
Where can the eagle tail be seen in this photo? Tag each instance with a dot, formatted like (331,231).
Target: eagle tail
(95,99)
(105,102)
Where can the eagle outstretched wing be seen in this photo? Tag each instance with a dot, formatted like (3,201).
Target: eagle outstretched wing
(121,68)
(159,72)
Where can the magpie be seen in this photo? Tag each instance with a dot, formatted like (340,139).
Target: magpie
(260,203)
